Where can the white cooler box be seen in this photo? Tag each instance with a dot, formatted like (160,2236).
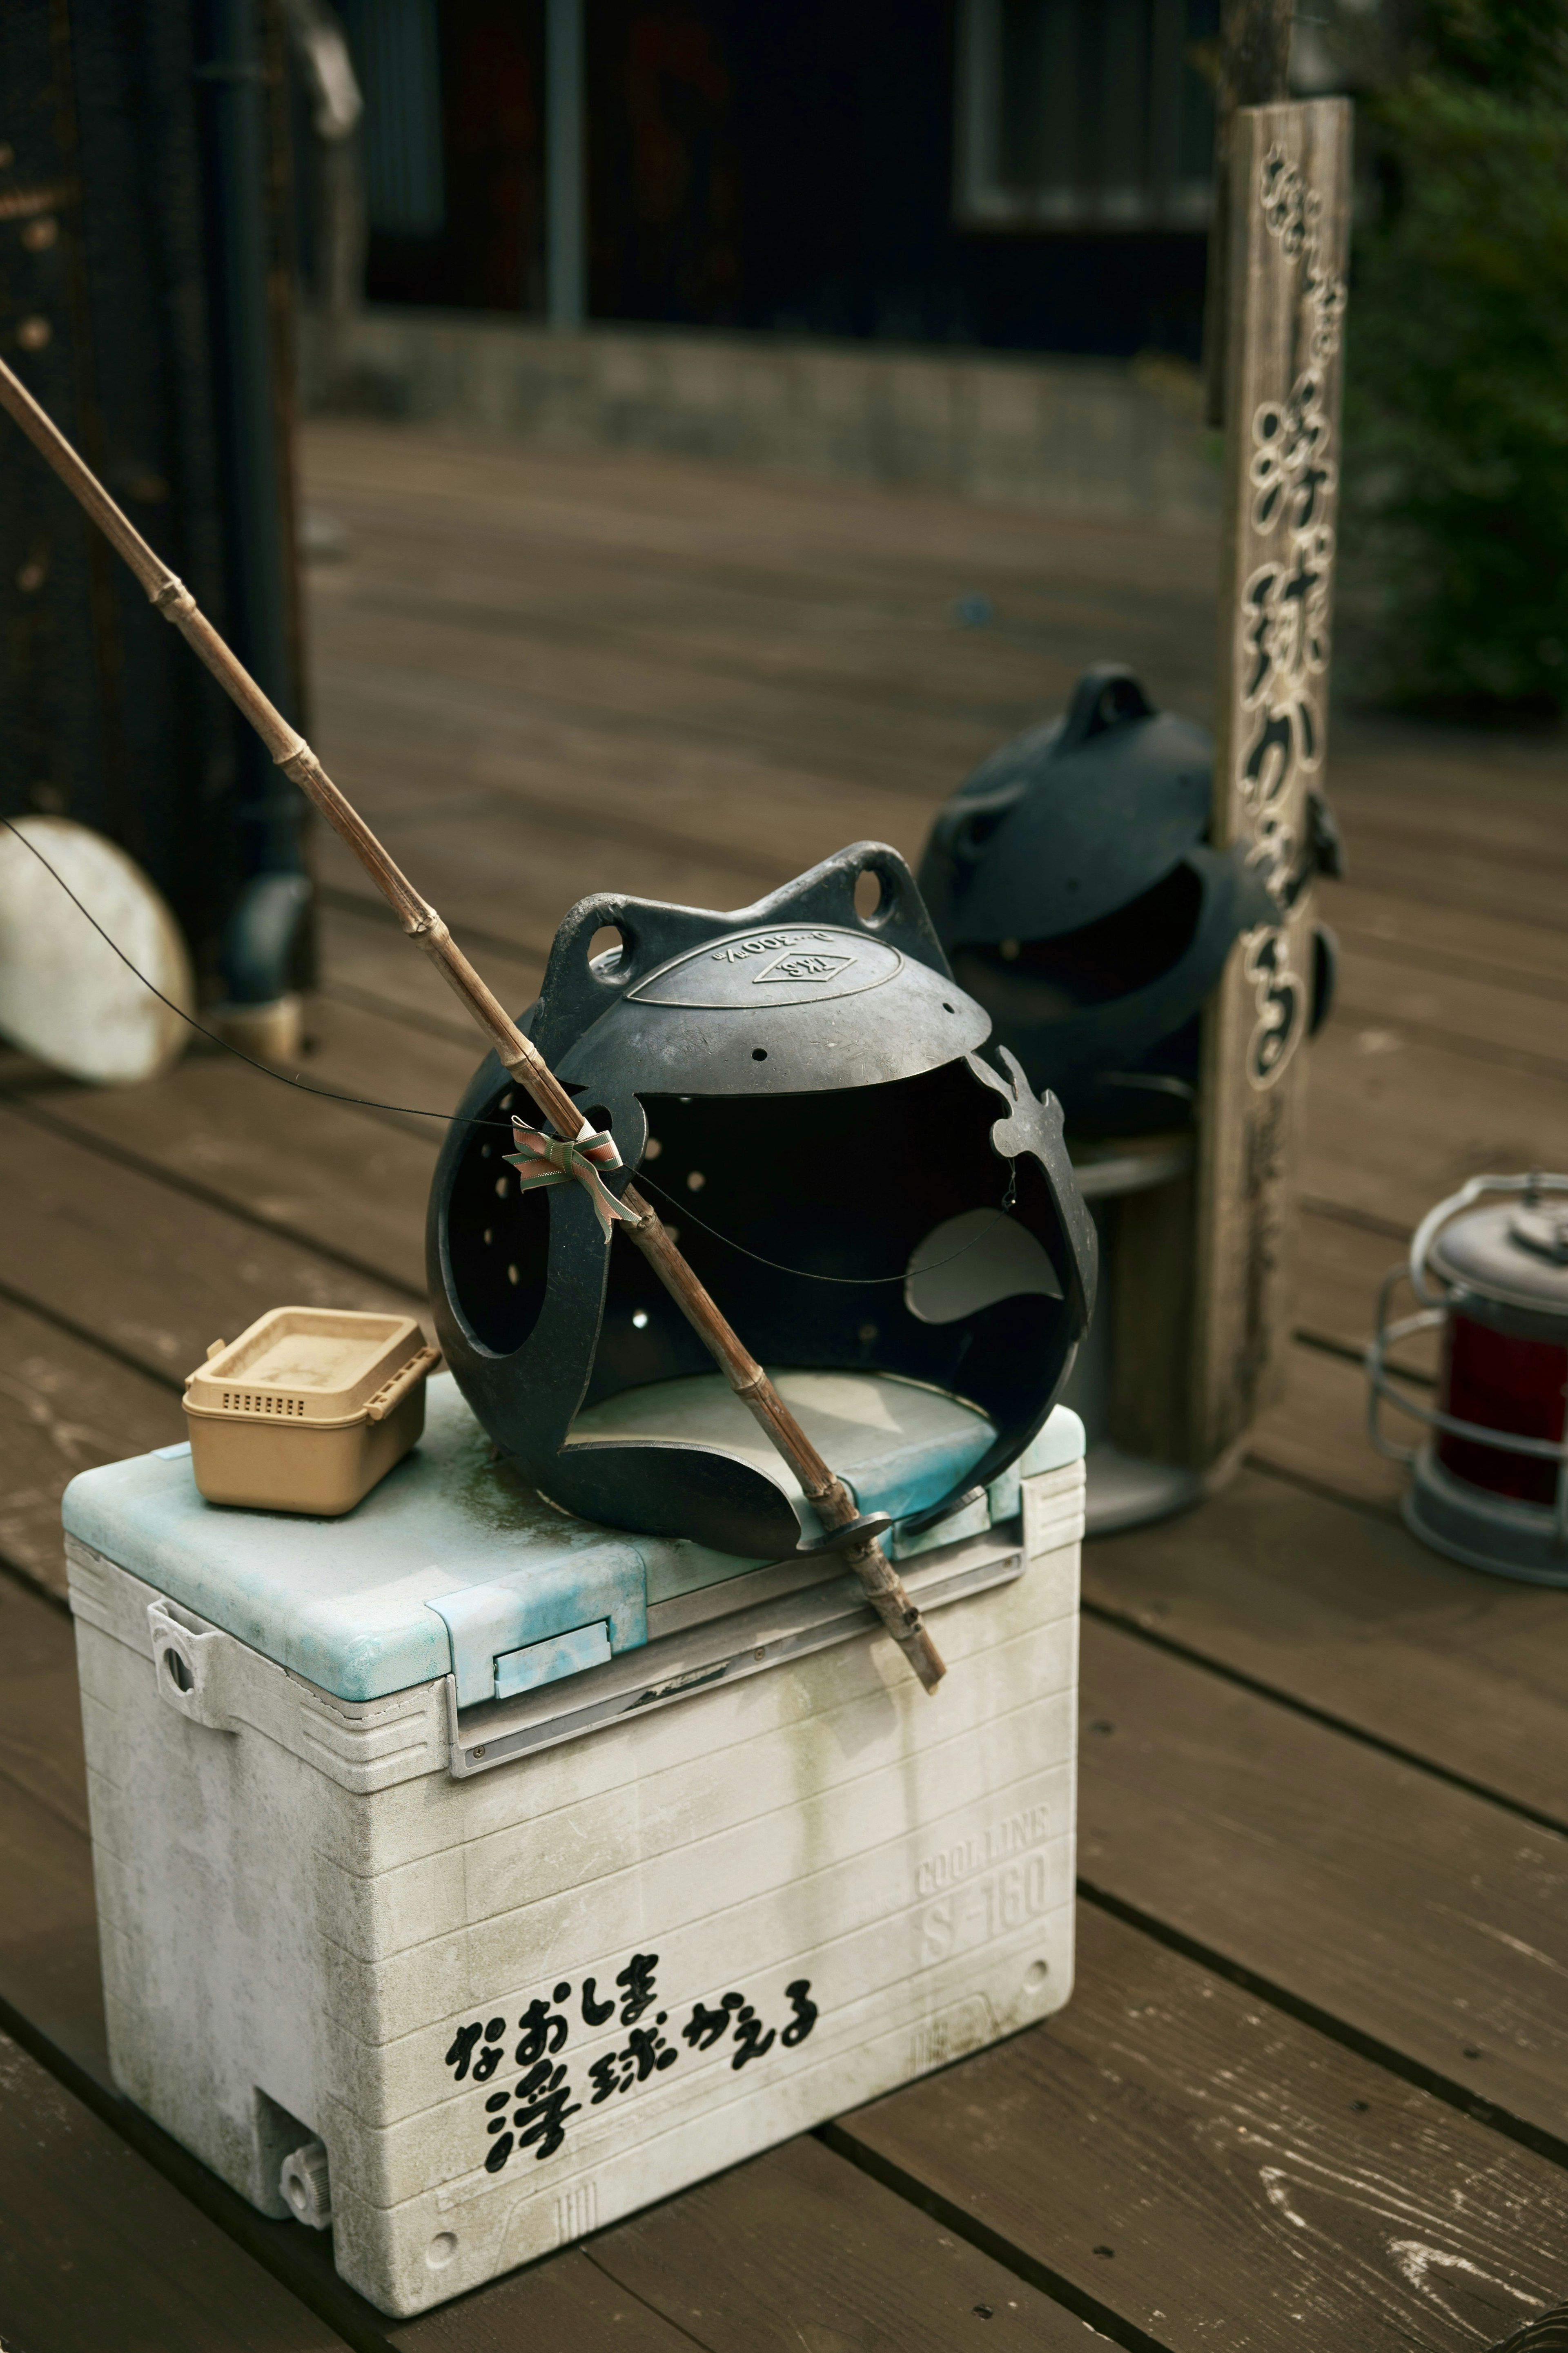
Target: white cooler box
(469,1876)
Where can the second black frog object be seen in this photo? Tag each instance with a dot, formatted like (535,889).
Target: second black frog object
(1071,883)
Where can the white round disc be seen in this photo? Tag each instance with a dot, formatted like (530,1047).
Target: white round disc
(65,995)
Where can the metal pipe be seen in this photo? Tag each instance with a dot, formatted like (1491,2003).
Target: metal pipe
(566,224)
(233,82)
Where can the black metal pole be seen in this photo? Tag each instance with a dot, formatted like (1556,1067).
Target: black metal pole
(231,74)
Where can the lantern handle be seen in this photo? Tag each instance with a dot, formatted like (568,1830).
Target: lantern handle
(1425,1233)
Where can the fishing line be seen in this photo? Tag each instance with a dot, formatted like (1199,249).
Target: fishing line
(364,1102)
(300,1086)
(807,1273)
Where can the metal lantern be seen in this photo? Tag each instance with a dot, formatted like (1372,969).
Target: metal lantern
(802,1087)
(1490,1482)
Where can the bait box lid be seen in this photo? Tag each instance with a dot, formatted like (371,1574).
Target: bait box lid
(312,1364)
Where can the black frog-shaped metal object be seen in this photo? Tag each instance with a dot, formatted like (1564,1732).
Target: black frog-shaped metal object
(1071,881)
(806,1082)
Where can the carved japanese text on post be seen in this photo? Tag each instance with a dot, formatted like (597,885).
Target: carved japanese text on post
(1282,618)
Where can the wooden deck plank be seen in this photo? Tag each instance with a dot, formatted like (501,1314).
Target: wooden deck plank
(111,1253)
(1344,1613)
(554,543)
(799,2248)
(1317,1433)
(1175,2152)
(748,811)
(416,661)
(40,1711)
(385,1062)
(671,789)
(771,525)
(1395,1123)
(1342,1265)
(1457,944)
(369,965)
(375,700)
(1450,1118)
(1343,1256)
(50,1984)
(49,1926)
(317,1174)
(499,875)
(528,695)
(65,1406)
(99,2251)
(1401,864)
(877,668)
(1500,800)
(566,2305)
(1341,1259)
(871,620)
(1410,1913)
(621,528)
(1520,1028)
(889,640)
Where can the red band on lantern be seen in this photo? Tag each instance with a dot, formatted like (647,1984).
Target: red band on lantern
(1506,1384)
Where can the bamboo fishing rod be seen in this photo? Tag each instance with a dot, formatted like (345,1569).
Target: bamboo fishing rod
(829,1497)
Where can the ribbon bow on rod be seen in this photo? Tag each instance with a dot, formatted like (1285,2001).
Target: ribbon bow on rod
(542,1159)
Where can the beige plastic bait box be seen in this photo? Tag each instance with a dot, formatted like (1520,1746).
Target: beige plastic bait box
(307,1410)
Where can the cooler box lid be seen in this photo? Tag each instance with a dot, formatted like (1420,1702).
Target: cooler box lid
(452,1564)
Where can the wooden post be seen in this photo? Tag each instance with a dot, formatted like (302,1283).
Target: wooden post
(1253,70)
(1289,223)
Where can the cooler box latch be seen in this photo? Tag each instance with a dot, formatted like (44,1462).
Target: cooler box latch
(558,1654)
(511,1635)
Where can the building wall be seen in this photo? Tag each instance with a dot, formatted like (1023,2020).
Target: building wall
(796,166)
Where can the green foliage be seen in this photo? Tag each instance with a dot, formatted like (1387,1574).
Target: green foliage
(1457,398)
(1514,48)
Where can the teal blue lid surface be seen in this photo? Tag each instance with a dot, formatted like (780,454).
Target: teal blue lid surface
(452,1564)
(901,1444)
(353,1603)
